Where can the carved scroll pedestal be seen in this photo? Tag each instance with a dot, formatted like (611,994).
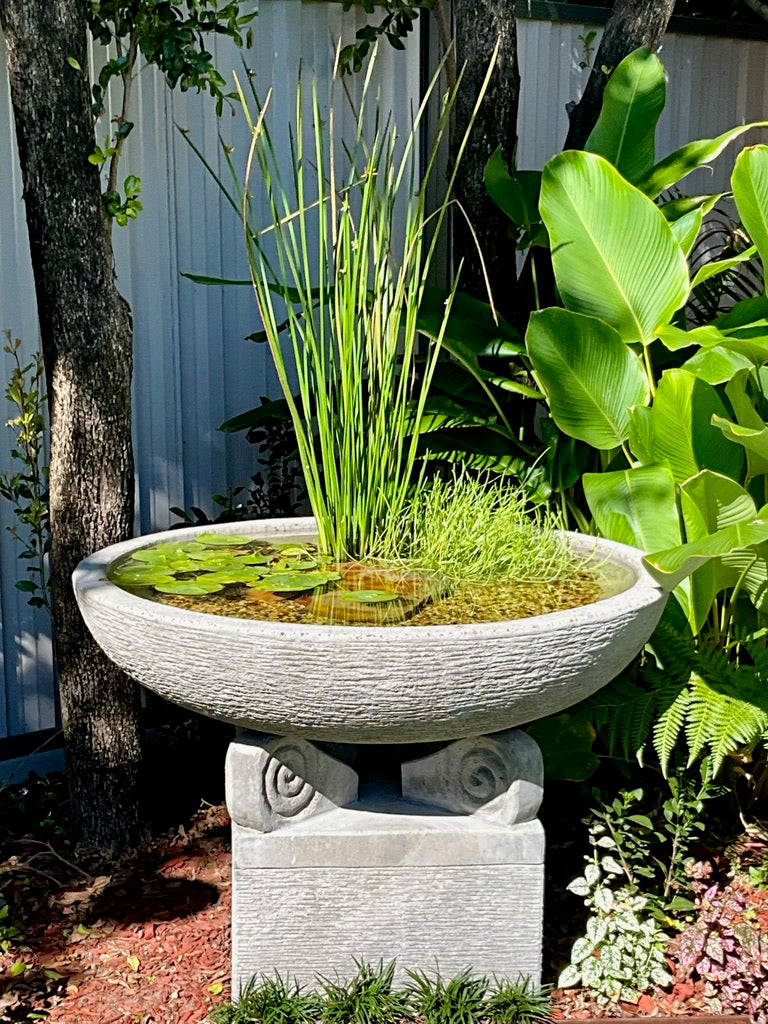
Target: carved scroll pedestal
(445,874)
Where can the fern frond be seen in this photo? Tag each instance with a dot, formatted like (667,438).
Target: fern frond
(622,713)
(671,707)
(725,713)
(674,652)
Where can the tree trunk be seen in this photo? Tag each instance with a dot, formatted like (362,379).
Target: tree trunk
(87,347)
(478,26)
(632,23)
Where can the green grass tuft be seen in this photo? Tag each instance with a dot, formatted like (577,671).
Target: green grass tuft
(469,530)
(269,1001)
(518,1003)
(367,998)
(458,1001)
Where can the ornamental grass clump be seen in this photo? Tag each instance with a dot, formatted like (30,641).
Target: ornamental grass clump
(340,270)
(470,530)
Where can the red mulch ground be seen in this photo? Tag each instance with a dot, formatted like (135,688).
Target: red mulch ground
(146,939)
(146,942)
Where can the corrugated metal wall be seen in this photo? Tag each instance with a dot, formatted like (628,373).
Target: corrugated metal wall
(192,367)
(713,84)
(193,370)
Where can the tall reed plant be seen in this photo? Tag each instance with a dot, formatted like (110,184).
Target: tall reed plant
(339,272)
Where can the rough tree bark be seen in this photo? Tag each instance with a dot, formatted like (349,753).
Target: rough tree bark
(632,23)
(87,347)
(478,26)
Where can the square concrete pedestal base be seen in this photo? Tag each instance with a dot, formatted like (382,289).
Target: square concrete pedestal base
(378,879)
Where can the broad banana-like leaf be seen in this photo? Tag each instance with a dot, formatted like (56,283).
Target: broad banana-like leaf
(635,506)
(753,440)
(675,338)
(590,377)
(716,365)
(709,502)
(472,323)
(749,182)
(632,104)
(749,312)
(613,251)
(516,193)
(708,270)
(678,428)
(672,566)
(686,229)
(678,165)
(744,407)
(675,208)
(749,567)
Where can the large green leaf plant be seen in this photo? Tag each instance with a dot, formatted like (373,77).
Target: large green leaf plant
(677,418)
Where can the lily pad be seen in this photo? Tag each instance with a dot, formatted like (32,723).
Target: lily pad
(284,582)
(293,550)
(253,557)
(166,551)
(241,574)
(224,540)
(295,565)
(205,555)
(190,587)
(368,596)
(149,577)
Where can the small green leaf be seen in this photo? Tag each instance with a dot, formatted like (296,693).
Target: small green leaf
(368,596)
(281,583)
(74,63)
(223,539)
(191,588)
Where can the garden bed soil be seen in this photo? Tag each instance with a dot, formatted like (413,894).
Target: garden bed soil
(145,939)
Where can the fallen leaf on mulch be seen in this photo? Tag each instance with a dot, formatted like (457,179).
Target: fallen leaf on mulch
(148,943)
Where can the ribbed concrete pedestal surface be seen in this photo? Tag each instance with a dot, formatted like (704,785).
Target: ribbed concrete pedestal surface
(386,877)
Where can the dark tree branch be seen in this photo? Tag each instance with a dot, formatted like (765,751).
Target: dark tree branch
(632,23)
(479,24)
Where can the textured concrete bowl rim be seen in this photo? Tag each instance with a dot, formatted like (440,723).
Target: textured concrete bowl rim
(90,579)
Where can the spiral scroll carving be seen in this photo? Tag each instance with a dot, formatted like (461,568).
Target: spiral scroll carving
(285,789)
(480,775)
(500,776)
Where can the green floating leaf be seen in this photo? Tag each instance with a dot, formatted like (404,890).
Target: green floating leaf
(293,550)
(191,588)
(166,551)
(368,596)
(252,558)
(223,540)
(130,577)
(236,575)
(281,583)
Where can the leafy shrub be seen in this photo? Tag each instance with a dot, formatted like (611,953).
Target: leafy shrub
(632,879)
(727,949)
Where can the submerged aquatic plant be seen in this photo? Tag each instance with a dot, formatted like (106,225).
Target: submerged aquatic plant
(342,268)
(470,530)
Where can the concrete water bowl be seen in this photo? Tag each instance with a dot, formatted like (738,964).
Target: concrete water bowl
(375,684)
(345,851)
